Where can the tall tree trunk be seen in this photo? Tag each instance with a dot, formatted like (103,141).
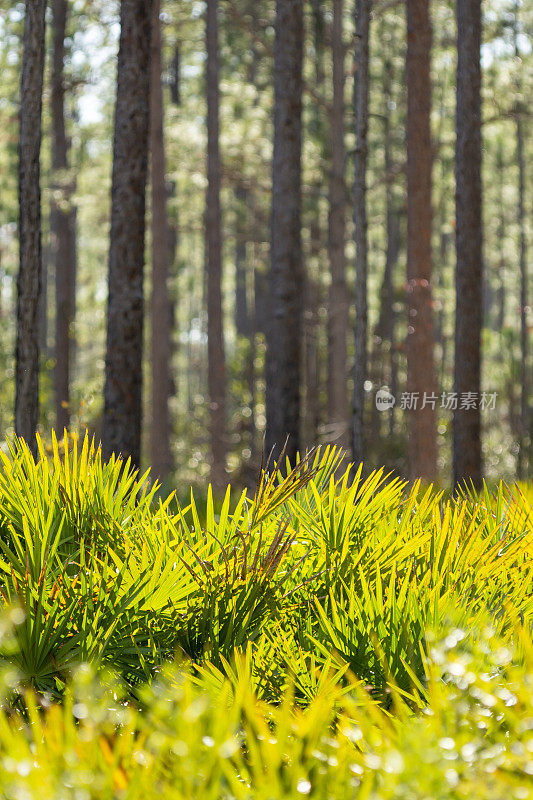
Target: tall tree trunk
(175,77)
(121,431)
(381,351)
(502,232)
(525,373)
(173,305)
(43,304)
(387,322)
(160,454)
(30,259)
(215,334)
(338,294)
(525,376)
(262,299)
(62,224)
(244,317)
(242,314)
(310,352)
(362,30)
(469,269)
(420,334)
(286,272)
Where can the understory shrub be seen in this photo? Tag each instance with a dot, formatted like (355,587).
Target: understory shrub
(332,635)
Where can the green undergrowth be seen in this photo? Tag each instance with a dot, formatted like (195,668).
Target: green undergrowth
(310,626)
(188,739)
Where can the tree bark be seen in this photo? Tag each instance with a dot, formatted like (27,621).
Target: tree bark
(30,255)
(338,294)
(62,224)
(242,314)
(469,270)
(421,381)
(283,368)
(121,431)
(360,101)
(387,322)
(525,376)
(310,351)
(43,303)
(502,232)
(244,317)
(175,76)
(160,454)
(215,335)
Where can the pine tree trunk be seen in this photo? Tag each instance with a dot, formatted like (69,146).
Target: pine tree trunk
(43,303)
(283,367)
(420,332)
(160,455)
(501,317)
(387,323)
(215,335)
(525,373)
(175,78)
(310,352)
(362,29)
(121,431)
(469,270)
(244,318)
(242,314)
(525,376)
(62,225)
(338,294)
(30,258)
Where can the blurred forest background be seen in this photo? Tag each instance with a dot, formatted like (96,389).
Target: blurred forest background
(205,367)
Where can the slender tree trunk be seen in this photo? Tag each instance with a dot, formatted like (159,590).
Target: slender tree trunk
(160,453)
(310,353)
(43,304)
(444,236)
(190,350)
(261,299)
(242,314)
(525,376)
(382,350)
(286,272)
(362,30)
(175,78)
(121,431)
(420,333)
(30,259)
(385,328)
(469,270)
(215,334)
(244,318)
(338,294)
(502,230)
(173,241)
(311,365)
(387,324)
(393,252)
(62,225)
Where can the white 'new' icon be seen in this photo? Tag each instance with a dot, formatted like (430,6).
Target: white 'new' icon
(384,400)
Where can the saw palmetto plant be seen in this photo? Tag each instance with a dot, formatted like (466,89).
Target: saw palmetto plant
(288,614)
(322,569)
